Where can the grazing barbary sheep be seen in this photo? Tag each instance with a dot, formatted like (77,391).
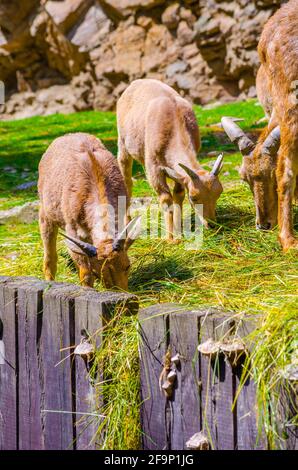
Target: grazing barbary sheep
(158,128)
(271,166)
(79,186)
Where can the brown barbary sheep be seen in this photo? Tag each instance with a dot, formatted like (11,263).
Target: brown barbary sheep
(80,186)
(271,166)
(158,128)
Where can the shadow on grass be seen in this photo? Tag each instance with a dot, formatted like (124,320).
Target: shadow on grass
(157,275)
(232,216)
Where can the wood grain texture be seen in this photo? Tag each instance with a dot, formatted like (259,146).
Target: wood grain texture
(91,314)
(250,436)
(209,382)
(29,385)
(155,409)
(223,325)
(56,341)
(8,370)
(186,402)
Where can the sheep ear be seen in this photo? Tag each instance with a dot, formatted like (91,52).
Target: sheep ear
(173,175)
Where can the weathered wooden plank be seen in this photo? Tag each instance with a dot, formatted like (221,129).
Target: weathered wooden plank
(286,414)
(249,436)
(155,409)
(208,391)
(186,402)
(29,387)
(89,324)
(45,400)
(93,310)
(247,423)
(217,384)
(87,319)
(225,416)
(56,341)
(8,369)
(291,415)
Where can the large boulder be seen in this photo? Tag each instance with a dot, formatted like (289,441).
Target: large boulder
(126,7)
(68,55)
(91,30)
(25,214)
(67,13)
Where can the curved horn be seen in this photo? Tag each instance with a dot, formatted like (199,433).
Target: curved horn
(237,135)
(172,174)
(272,143)
(191,173)
(86,248)
(217,165)
(128,233)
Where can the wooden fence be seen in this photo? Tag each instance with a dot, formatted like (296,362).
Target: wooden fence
(46,398)
(204,383)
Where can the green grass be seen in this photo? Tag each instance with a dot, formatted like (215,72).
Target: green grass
(23,142)
(237,267)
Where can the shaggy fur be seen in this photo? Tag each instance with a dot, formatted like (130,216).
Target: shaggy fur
(278,92)
(158,128)
(77,176)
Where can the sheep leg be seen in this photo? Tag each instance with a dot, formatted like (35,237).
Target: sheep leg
(81,261)
(86,276)
(178,198)
(125,162)
(287,171)
(49,237)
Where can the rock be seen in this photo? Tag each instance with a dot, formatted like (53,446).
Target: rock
(159,49)
(185,34)
(177,67)
(95,48)
(27,185)
(67,13)
(145,22)
(25,214)
(185,82)
(188,16)
(62,99)
(126,7)
(170,16)
(103,98)
(28,213)
(9,169)
(61,54)
(89,33)
(120,57)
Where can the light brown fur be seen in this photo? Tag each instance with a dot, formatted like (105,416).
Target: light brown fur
(77,174)
(158,128)
(274,190)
